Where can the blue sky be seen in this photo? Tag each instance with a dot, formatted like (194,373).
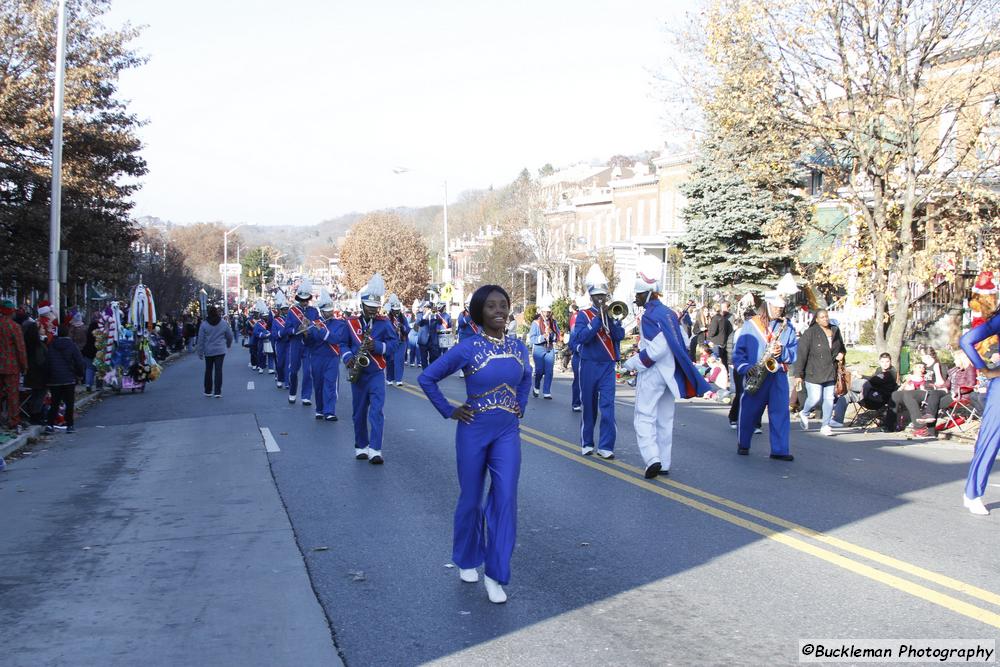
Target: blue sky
(291,113)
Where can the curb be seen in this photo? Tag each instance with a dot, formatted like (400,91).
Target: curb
(32,433)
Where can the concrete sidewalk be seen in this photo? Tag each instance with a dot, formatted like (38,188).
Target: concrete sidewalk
(156,543)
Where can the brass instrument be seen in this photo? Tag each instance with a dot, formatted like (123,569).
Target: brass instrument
(616,310)
(361,361)
(757,373)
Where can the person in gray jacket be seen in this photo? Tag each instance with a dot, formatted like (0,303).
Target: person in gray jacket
(215,336)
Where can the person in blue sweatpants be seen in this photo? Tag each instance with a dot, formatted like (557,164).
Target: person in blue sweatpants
(280,339)
(327,337)
(988,440)
(543,335)
(596,339)
(394,370)
(370,335)
(487,439)
(261,334)
(299,317)
(760,335)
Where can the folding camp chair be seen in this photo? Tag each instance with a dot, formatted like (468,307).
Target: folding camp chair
(960,413)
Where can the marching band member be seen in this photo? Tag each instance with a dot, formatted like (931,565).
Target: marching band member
(664,371)
(988,440)
(280,338)
(252,346)
(260,334)
(487,438)
(424,335)
(543,336)
(437,322)
(596,339)
(327,337)
(394,371)
(574,359)
(299,317)
(766,333)
(372,336)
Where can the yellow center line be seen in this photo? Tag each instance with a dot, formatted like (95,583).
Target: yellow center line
(568,450)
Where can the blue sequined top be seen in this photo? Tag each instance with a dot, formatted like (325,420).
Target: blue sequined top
(497,375)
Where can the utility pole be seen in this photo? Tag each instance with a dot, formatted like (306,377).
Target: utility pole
(55,211)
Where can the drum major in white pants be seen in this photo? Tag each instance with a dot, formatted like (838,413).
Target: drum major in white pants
(654,418)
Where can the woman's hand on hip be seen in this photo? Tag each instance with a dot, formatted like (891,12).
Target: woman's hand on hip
(463,413)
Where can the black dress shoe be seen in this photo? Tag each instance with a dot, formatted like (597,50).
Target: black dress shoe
(653,470)
(783,457)
(331,418)
(743,451)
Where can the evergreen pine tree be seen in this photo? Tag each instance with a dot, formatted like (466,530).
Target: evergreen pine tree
(729,215)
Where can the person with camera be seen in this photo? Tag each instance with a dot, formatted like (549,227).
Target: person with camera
(595,339)
(821,348)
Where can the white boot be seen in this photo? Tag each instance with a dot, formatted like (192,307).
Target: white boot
(469,576)
(494,590)
(975,505)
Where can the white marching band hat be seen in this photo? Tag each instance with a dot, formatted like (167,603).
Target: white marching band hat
(304,292)
(394,303)
(372,293)
(647,274)
(325,301)
(596,281)
(260,306)
(279,300)
(774,298)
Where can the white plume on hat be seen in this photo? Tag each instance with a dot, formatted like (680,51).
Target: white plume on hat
(545,303)
(647,274)
(787,285)
(774,298)
(305,289)
(325,301)
(260,306)
(279,299)
(394,302)
(596,281)
(372,293)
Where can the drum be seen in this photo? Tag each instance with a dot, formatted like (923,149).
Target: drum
(446,340)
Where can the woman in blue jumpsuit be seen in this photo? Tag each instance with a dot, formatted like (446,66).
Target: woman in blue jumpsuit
(988,440)
(497,381)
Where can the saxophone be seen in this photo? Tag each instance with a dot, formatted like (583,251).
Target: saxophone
(758,373)
(361,361)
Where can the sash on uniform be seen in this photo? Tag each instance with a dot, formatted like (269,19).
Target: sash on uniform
(299,315)
(602,335)
(768,335)
(354,324)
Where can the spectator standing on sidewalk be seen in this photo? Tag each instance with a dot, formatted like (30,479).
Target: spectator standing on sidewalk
(214,337)
(13,362)
(720,333)
(63,366)
(89,353)
(821,348)
(34,377)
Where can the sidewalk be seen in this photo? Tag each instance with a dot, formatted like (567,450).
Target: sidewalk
(137,541)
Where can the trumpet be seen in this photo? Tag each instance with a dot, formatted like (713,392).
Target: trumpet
(616,310)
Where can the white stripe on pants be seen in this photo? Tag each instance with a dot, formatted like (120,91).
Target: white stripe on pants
(654,418)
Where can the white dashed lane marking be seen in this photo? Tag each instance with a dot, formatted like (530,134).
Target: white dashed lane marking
(269,443)
(250,385)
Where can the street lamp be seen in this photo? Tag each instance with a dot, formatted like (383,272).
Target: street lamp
(446,272)
(225,268)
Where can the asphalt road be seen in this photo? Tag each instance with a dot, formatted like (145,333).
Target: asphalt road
(730,560)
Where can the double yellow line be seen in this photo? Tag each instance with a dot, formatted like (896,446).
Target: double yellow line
(793,538)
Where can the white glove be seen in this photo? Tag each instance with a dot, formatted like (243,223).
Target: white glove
(633,363)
